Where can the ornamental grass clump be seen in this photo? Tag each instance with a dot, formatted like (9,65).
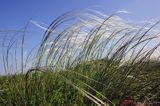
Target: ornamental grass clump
(86,58)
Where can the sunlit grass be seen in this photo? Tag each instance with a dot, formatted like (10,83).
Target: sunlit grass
(86,59)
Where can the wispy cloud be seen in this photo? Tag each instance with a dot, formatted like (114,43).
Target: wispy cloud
(39,25)
(124,11)
(114,23)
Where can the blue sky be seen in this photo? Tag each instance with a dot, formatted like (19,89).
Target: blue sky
(14,14)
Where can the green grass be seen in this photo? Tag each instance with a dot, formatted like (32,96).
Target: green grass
(93,68)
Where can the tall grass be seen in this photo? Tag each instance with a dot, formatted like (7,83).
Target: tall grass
(85,58)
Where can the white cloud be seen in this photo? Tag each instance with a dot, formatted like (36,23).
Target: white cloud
(124,11)
(39,25)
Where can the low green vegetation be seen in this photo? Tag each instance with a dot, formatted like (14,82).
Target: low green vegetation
(65,88)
